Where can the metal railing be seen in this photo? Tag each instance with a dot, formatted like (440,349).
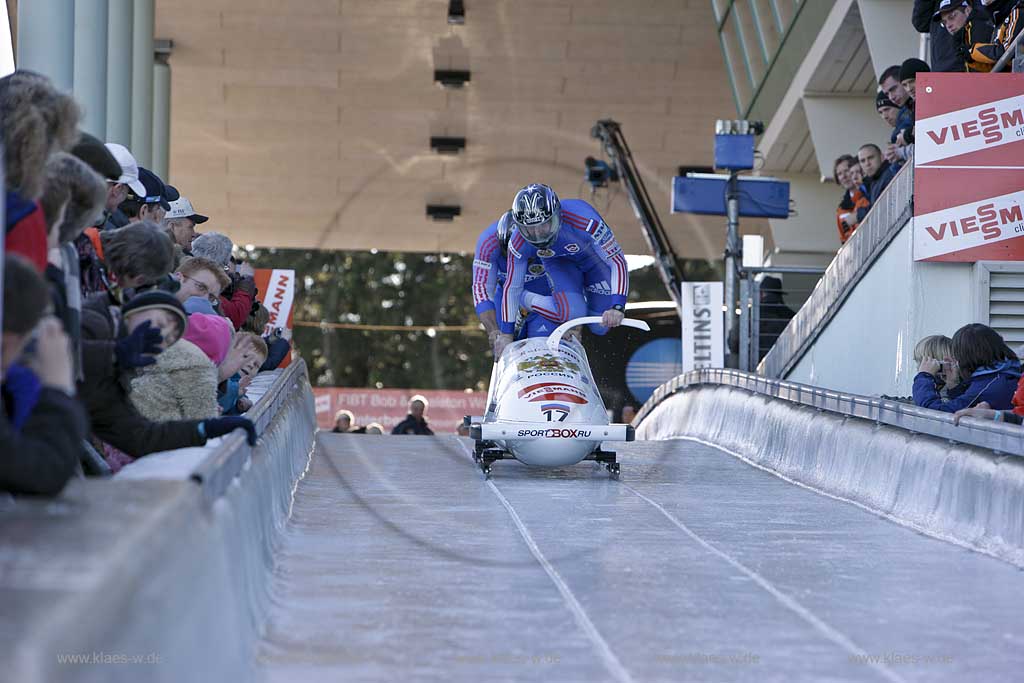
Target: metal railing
(761,322)
(885,220)
(1012,51)
(216,473)
(996,436)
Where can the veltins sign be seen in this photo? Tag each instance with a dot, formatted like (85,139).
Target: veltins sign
(703,325)
(969,167)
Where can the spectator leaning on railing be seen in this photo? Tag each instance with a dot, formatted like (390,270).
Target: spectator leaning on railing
(972,33)
(126,334)
(887,109)
(853,198)
(878,173)
(237,298)
(41,424)
(944,54)
(36,120)
(1008,22)
(984,411)
(988,368)
(904,133)
(893,88)
(73,198)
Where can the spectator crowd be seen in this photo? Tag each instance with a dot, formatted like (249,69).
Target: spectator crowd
(964,36)
(124,332)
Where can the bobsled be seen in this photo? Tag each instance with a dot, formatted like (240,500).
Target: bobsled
(544,407)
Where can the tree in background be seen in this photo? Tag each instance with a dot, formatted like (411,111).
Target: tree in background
(371,290)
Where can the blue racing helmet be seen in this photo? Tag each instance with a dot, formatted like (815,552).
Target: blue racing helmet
(536,211)
(504,230)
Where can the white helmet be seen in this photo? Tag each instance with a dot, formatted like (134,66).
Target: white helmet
(536,211)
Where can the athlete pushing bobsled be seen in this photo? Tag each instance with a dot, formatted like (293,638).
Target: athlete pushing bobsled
(544,407)
(489,263)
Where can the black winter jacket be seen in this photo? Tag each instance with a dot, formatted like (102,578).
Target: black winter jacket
(105,393)
(43,456)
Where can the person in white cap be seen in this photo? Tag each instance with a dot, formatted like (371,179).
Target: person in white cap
(180,223)
(117,191)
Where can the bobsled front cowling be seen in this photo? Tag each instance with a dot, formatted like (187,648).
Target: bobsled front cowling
(555,390)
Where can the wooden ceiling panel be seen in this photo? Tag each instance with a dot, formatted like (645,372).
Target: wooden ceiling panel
(308,124)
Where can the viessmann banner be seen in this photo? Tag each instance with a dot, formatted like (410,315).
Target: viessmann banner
(969,167)
(277,292)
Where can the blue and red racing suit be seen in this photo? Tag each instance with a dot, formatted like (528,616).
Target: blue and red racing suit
(489,263)
(584,265)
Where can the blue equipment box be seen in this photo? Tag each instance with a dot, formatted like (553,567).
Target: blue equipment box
(704,193)
(734,152)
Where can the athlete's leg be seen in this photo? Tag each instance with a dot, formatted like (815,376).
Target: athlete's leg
(566,301)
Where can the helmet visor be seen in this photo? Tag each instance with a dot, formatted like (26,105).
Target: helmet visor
(540,233)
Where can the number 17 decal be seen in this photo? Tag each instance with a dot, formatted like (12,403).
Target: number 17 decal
(555,412)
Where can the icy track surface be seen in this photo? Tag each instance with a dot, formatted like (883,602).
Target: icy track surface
(401,563)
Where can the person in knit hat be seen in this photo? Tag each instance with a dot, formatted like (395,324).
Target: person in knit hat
(161,310)
(212,334)
(903,133)
(181,385)
(908,75)
(151,322)
(237,298)
(886,108)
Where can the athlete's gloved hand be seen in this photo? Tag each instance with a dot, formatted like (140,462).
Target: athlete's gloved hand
(500,342)
(612,318)
(219,426)
(138,348)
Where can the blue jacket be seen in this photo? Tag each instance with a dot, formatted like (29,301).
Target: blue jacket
(993,384)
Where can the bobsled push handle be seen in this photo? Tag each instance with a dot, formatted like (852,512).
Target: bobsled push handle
(555,337)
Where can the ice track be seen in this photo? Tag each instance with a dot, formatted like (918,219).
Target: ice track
(401,563)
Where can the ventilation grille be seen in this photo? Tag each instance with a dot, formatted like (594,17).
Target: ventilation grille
(1006,306)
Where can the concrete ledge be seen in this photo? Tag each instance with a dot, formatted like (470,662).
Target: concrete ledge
(169,577)
(963,493)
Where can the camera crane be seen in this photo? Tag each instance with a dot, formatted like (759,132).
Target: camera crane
(615,147)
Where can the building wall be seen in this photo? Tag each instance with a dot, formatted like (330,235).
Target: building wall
(868,346)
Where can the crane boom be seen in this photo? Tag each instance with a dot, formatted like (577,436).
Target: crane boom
(615,147)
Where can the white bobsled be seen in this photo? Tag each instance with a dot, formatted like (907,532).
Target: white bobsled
(543,406)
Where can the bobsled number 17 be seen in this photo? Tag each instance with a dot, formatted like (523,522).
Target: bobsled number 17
(543,407)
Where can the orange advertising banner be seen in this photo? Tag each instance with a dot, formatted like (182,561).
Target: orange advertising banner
(277,293)
(388,407)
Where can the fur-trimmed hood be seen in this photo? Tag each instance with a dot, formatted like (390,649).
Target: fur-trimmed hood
(38,120)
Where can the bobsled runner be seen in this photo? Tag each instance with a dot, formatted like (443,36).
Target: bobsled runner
(543,406)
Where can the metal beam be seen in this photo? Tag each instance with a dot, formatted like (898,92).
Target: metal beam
(90,64)
(120,15)
(46,39)
(161,118)
(142,82)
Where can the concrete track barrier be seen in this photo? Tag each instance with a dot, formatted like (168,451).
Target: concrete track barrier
(963,484)
(155,579)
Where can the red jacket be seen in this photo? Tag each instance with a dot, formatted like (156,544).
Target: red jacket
(239,305)
(26,230)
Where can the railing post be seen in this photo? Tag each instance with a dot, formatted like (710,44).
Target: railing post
(744,331)
(755,323)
